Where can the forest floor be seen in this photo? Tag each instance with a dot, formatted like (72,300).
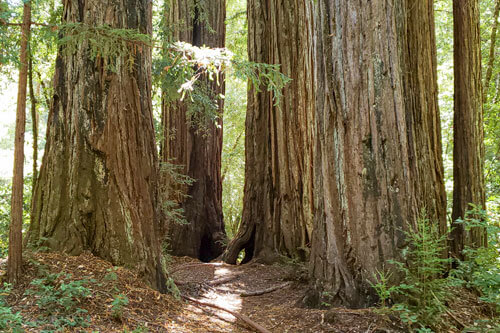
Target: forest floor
(200,284)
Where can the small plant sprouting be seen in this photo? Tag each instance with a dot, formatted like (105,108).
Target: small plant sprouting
(117,306)
(423,289)
(383,288)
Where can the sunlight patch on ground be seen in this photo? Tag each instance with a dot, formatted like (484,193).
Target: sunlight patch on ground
(221,272)
(228,301)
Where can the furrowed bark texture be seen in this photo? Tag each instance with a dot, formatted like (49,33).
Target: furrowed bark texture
(97,188)
(15,259)
(416,35)
(197,147)
(34,123)
(378,156)
(278,194)
(468,133)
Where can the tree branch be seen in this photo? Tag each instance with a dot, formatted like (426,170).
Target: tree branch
(259,328)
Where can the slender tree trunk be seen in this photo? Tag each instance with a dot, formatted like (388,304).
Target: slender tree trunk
(97,189)
(34,122)
(378,156)
(15,260)
(278,195)
(497,93)
(491,58)
(468,133)
(195,141)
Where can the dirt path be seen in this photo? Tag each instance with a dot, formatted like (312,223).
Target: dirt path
(278,311)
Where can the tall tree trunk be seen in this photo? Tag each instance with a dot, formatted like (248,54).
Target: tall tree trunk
(195,141)
(97,189)
(417,43)
(377,160)
(15,259)
(468,133)
(34,123)
(491,58)
(278,195)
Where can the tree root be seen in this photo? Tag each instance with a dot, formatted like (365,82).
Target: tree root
(265,291)
(223,280)
(259,328)
(195,264)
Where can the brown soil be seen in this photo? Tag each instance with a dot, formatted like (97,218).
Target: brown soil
(214,283)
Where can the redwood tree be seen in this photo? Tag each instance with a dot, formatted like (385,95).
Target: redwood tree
(278,194)
(97,189)
(377,161)
(193,140)
(417,42)
(15,260)
(468,134)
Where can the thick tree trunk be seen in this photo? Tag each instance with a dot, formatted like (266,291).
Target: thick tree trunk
(15,259)
(468,133)
(378,156)
(417,43)
(278,195)
(97,188)
(196,144)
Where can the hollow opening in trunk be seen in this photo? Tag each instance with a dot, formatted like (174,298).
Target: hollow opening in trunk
(249,248)
(206,254)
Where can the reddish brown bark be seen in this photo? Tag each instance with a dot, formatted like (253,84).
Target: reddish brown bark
(15,260)
(468,133)
(195,141)
(34,123)
(278,194)
(377,159)
(417,42)
(97,189)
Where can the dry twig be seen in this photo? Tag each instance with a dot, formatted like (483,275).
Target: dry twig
(259,328)
(265,291)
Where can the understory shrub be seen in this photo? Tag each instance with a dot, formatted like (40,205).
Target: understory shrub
(427,281)
(59,298)
(9,321)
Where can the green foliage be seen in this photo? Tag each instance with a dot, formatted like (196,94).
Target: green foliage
(119,302)
(9,36)
(5,197)
(172,288)
(9,321)
(423,287)
(184,65)
(59,297)
(139,329)
(481,268)
(110,44)
(444,40)
(235,106)
(383,288)
(173,190)
(111,275)
(261,76)
(422,290)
